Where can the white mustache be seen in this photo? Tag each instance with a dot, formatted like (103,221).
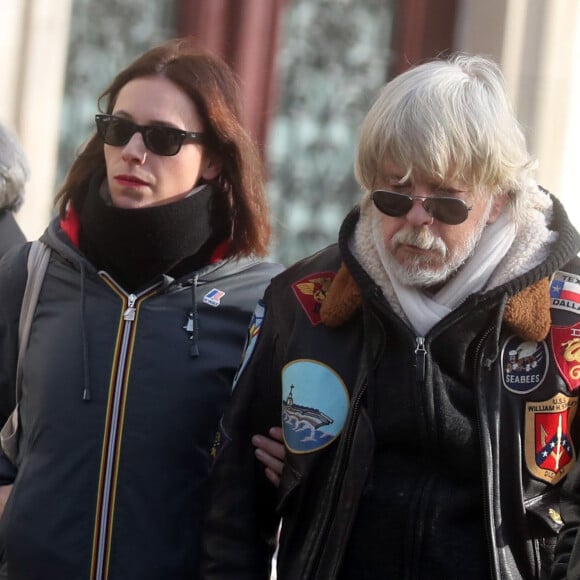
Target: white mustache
(421,238)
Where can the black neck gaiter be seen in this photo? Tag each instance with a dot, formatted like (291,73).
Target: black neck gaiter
(135,246)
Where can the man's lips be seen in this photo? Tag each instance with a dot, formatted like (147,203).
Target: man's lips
(129,181)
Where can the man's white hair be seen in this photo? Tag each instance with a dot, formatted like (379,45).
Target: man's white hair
(14,171)
(447,120)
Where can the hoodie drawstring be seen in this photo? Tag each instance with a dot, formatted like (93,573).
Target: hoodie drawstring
(194,349)
(86,376)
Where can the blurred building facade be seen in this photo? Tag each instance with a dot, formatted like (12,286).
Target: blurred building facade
(308,69)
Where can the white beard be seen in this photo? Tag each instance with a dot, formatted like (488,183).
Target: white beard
(422,271)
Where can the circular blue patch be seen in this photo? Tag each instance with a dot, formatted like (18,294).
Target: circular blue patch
(524,364)
(314,405)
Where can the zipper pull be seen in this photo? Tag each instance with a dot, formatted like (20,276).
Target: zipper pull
(129,314)
(421,358)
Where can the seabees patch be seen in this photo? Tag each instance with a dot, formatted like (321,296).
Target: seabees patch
(524,364)
(311,293)
(549,450)
(314,405)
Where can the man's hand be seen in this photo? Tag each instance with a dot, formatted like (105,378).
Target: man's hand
(5,491)
(271,452)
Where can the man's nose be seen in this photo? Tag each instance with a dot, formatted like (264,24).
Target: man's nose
(418,215)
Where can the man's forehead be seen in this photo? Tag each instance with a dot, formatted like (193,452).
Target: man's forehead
(394,173)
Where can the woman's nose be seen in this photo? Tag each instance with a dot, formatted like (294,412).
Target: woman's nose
(135,150)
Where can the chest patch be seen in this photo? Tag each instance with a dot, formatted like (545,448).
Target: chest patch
(311,293)
(314,405)
(524,364)
(566,347)
(251,338)
(565,292)
(213,297)
(549,450)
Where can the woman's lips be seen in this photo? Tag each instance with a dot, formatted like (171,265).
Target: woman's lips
(129,181)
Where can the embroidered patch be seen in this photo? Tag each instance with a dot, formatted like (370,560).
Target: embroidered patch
(311,293)
(251,338)
(550,453)
(314,405)
(524,364)
(566,347)
(213,297)
(565,291)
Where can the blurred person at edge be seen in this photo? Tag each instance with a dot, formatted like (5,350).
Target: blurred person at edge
(154,274)
(14,173)
(420,364)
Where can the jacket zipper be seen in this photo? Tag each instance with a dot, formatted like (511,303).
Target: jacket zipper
(486,497)
(420,358)
(105,511)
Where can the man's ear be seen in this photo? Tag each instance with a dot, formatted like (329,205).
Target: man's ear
(211,167)
(497,207)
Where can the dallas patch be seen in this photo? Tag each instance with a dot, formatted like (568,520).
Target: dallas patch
(524,364)
(549,450)
(311,293)
(566,347)
(565,291)
(251,338)
(314,405)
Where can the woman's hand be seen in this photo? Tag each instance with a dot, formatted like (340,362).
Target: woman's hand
(5,491)
(271,452)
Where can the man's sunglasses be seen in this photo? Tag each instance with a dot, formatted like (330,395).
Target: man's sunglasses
(447,210)
(160,140)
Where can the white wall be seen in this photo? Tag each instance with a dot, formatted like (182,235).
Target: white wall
(537,44)
(33,51)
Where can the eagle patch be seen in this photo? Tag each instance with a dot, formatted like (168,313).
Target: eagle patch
(311,293)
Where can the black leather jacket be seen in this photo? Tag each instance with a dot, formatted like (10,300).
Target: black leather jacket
(319,364)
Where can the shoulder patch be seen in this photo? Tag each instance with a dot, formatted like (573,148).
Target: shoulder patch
(314,405)
(566,347)
(311,293)
(565,291)
(550,453)
(251,338)
(524,364)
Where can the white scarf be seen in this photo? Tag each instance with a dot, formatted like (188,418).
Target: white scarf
(424,311)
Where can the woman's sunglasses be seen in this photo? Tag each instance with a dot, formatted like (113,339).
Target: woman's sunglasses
(447,210)
(160,140)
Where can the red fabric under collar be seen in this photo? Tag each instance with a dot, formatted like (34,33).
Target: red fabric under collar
(71,226)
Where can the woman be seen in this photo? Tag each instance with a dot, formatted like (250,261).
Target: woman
(138,330)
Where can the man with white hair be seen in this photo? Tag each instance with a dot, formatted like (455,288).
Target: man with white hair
(419,367)
(13,176)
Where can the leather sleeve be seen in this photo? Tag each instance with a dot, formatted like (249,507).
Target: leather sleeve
(241,523)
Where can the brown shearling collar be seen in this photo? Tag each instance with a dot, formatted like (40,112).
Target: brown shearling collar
(527,313)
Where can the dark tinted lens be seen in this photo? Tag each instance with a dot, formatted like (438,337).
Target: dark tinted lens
(117,132)
(448,210)
(164,140)
(391,203)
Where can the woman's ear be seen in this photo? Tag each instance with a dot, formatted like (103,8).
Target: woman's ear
(211,167)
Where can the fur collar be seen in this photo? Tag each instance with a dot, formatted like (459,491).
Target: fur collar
(526,313)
